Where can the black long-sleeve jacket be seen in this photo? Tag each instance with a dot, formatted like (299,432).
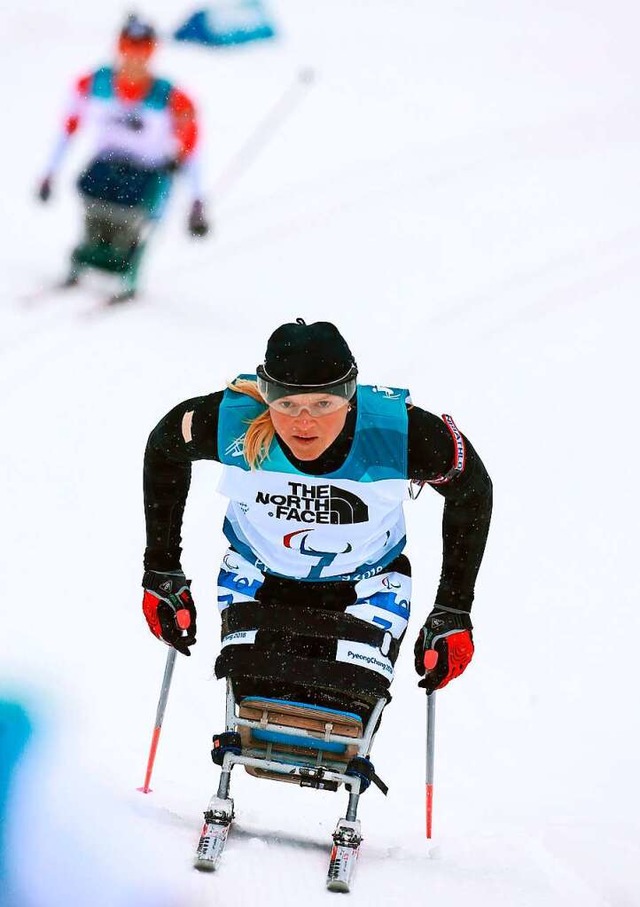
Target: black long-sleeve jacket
(432,456)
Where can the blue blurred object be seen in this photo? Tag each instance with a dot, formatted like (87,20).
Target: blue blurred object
(15,731)
(227,23)
(53,850)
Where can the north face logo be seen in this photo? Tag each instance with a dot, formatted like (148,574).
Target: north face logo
(316,504)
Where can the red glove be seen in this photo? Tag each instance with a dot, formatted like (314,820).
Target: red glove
(444,647)
(169,608)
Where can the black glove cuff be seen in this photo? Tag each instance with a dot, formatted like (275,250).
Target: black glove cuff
(451,618)
(164,583)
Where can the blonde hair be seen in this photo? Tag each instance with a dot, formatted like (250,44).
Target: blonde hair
(260,433)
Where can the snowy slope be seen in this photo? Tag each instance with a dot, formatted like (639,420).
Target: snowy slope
(460,193)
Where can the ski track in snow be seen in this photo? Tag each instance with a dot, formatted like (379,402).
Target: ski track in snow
(459,192)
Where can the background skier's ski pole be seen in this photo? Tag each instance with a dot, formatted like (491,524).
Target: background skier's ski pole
(264,131)
(162,704)
(431,732)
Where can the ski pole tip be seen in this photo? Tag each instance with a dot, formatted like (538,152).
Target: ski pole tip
(429,799)
(307,75)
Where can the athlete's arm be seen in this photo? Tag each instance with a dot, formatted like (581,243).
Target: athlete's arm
(72,121)
(184,120)
(188,432)
(184,123)
(441,456)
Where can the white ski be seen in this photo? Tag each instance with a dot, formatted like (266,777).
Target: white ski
(213,837)
(344,854)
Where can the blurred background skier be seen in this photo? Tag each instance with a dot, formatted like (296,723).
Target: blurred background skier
(146,132)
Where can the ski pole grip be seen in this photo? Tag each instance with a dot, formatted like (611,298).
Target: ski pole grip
(430,659)
(183,619)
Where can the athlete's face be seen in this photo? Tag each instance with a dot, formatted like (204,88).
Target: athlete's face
(309,423)
(135,55)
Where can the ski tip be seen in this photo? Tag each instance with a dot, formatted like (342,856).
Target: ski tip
(338,885)
(204,865)
(119,298)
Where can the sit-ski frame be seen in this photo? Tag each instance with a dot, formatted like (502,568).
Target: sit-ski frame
(319,772)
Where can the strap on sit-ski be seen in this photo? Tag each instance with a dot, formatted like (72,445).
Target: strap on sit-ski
(227,742)
(361,767)
(307,622)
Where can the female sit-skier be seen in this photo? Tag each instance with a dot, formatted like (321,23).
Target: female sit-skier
(314,589)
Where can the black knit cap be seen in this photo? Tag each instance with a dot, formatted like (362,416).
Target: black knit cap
(308,355)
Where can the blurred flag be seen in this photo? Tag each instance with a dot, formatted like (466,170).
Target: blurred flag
(227,22)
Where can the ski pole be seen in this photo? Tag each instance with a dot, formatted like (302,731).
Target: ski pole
(431,734)
(264,131)
(430,661)
(162,704)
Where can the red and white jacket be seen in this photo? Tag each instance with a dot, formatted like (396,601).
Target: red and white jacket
(150,123)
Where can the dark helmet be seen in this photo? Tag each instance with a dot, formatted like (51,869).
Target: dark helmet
(307,358)
(136,29)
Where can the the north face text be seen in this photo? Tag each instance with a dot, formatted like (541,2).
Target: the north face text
(315,504)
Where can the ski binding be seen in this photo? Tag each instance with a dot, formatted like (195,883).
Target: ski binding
(344,854)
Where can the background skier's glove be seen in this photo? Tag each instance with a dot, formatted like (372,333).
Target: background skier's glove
(447,642)
(198,223)
(44,189)
(169,608)
(174,165)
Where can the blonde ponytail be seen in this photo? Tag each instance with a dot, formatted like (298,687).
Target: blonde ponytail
(260,433)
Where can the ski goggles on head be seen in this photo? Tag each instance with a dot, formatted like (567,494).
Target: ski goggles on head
(317,399)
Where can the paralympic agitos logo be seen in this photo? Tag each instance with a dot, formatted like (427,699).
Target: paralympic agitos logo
(315,504)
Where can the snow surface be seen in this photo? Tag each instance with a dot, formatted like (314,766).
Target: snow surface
(460,192)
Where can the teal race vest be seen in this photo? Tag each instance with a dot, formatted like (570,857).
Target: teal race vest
(344,525)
